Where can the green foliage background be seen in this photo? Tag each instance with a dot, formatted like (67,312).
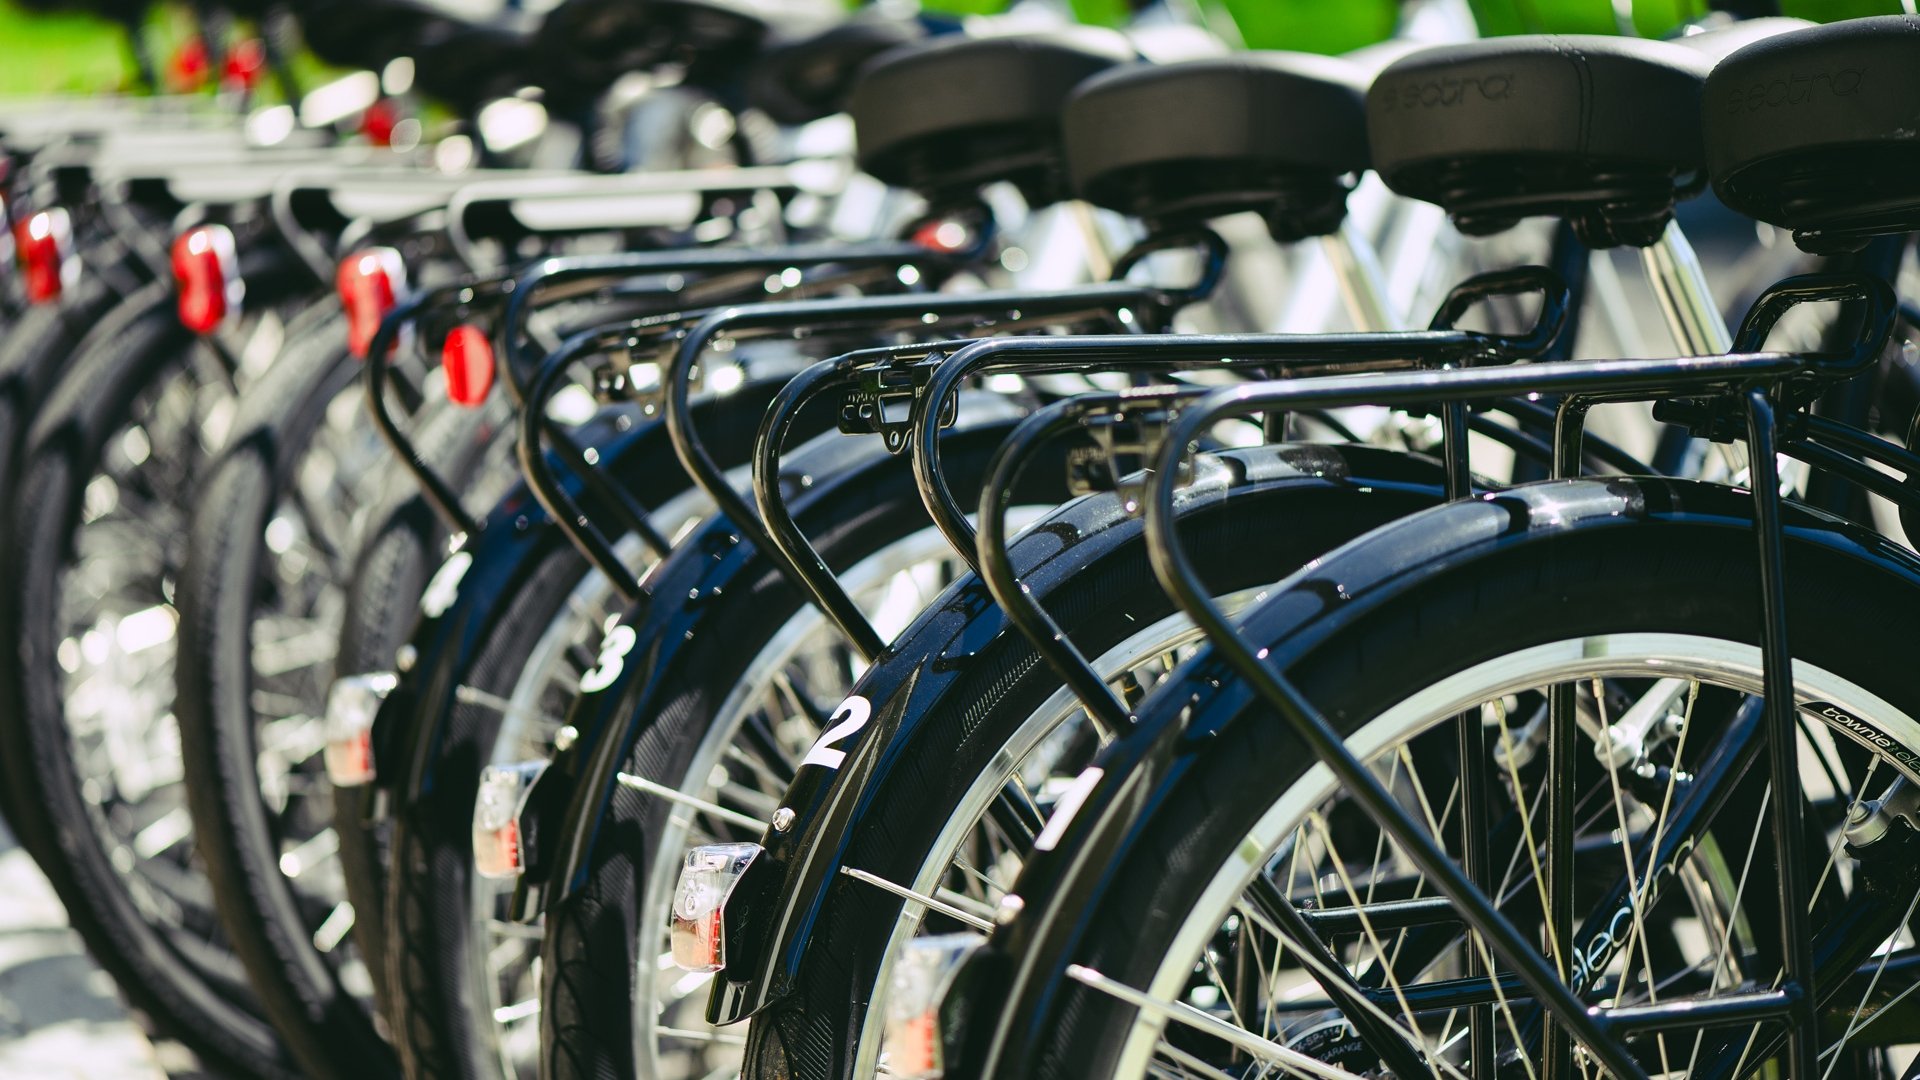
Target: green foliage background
(79,54)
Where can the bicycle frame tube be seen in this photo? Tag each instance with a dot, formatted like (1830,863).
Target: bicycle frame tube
(535,426)
(870,313)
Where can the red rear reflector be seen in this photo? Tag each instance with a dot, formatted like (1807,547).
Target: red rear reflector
(245,62)
(924,972)
(950,237)
(206,268)
(496,851)
(467,358)
(378,122)
(370,282)
(44,245)
(188,70)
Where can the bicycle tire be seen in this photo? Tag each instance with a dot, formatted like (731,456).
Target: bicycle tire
(32,345)
(432,848)
(1597,581)
(1244,540)
(588,956)
(324,1025)
(141,338)
(404,543)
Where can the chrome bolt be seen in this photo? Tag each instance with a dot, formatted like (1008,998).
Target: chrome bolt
(783,819)
(565,737)
(1866,823)
(1009,909)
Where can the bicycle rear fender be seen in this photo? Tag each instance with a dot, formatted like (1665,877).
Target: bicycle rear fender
(575,794)
(462,603)
(784,900)
(1059,889)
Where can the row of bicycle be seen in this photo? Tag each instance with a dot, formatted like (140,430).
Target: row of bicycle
(771,619)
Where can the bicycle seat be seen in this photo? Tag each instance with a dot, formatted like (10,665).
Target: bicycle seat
(1719,41)
(365,33)
(468,65)
(584,45)
(1602,131)
(1818,131)
(796,82)
(952,115)
(1274,132)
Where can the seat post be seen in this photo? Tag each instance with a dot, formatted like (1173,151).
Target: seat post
(1363,285)
(1681,287)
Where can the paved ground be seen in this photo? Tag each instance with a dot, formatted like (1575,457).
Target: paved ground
(60,1017)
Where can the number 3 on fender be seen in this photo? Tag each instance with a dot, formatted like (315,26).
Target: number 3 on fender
(613,658)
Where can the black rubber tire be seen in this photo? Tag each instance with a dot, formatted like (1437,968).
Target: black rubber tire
(588,958)
(33,347)
(428,869)
(135,346)
(403,544)
(427,896)
(325,1026)
(1846,616)
(434,1002)
(1244,542)
(390,573)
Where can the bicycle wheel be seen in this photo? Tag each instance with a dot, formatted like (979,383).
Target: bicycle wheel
(1001,722)
(727,717)
(273,540)
(403,542)
(465,989)
(32,347)
(109,468)
(1652,624)
(466,995)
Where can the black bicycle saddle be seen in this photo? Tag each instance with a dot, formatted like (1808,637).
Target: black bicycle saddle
(1273,132)
(1818,130)
(367,33)
(584,45)
(467,65)
(956,113)
(1603,131)
(802,80)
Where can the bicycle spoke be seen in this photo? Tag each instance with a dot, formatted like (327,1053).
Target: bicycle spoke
(1855,1023)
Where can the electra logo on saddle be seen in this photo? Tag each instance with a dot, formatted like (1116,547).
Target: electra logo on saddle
(1444,93)
(1796,89)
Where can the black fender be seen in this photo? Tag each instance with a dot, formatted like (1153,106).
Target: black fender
(517,534)
(787,896)
(703,566)
(1007,991)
